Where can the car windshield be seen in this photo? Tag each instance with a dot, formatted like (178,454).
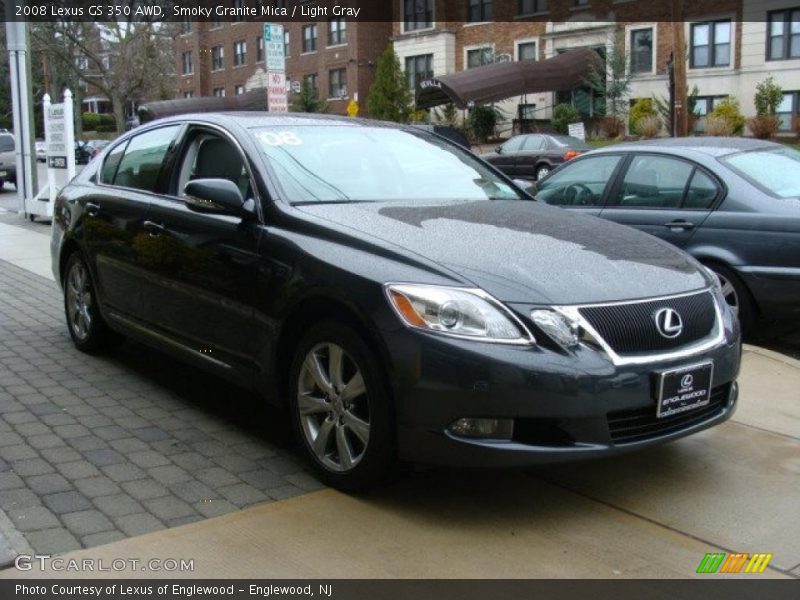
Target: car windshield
(341,163)
(776,171)
(567,141)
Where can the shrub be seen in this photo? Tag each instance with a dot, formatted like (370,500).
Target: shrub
(648,126)
(728,110)
(90,121)
(483,120)
(768,97)
(764,127)
(563,115)
(612,127)
(719,126)
(643,107)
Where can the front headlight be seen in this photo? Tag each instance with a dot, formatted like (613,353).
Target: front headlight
(461,312)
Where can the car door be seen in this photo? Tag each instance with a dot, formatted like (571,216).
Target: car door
(582,184)
(528,157)
(665,196)
(203,268)
(113,216)
(506,157)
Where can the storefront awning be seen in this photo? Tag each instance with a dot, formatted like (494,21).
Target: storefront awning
(495,82)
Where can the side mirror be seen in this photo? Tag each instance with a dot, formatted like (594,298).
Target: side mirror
(214,196)
(527,186)
(499,149)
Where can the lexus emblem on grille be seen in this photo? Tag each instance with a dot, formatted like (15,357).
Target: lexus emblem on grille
(668,323)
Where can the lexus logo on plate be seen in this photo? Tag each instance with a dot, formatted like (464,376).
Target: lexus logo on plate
(668,323)
(687,380)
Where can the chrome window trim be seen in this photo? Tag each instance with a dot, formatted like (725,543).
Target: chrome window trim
(716,337)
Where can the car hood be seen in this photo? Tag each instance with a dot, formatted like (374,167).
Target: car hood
(524,251)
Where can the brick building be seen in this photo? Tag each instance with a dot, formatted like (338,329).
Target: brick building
(337,57)
(732,45)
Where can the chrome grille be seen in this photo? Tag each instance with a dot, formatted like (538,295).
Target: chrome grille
(631,328)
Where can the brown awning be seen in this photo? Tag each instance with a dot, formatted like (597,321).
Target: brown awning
(255,100)
(495,82)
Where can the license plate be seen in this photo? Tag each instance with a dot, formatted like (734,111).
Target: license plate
(683,389)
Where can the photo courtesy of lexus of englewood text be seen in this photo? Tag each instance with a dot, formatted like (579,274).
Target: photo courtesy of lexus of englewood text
(435,298)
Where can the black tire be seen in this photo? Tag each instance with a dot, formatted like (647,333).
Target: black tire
(96,335)
(542,171)
(378,459)
(737,296)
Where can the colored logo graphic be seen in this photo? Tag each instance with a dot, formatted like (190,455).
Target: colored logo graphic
(740,562)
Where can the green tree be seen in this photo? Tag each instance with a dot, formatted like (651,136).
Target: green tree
(563,115)
(483,120)
(729,112)
(768,97)
(389,97)
(448,114)
(612,80)
(307,100)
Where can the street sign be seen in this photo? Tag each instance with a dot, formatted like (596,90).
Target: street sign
(578,130)
(352,108)
(276,92)
(273,46)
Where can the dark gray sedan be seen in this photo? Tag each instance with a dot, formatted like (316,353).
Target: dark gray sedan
(534,155)
(734,204)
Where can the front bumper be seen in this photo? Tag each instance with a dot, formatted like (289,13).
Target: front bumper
(565,405)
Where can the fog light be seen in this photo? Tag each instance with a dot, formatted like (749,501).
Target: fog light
(498,429)
(559,328)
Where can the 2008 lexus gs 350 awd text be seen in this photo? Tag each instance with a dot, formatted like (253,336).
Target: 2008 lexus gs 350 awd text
(404,299)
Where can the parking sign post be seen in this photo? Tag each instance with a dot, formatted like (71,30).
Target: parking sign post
(277,100)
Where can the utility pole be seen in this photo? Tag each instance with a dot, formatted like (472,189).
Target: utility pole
(19,60)
(681,125)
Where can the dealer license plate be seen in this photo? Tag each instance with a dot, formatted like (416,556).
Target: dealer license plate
(683,389)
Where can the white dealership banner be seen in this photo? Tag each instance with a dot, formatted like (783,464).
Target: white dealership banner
(578,130)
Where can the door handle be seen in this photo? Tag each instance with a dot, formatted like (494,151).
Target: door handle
(92,209)
(679,224)
(153,228)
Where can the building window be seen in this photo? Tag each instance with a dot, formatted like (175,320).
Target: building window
(783,35)
(417,14)
(310,38)
(188,94)
(703,106)
(711,44)
(478,57)
(260,48)
(217,58)
(532,7)
(337,83)
(186,26)
(286,43)
(219,92)
(239,53)
(238,90)
(82,63)
(311,81)
(526,51)
(479,11)
(789,111)
(186,63)
(642,50)
(418,68)
(337,32)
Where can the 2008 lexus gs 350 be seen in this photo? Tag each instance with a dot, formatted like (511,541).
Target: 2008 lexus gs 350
(404,299)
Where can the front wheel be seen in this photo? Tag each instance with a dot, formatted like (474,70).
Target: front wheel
(541,172)
(88,330)
(341,409)
(737,297)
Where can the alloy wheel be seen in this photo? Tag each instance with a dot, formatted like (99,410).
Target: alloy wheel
(541,172)
(729,293)
(79,301)
(333,407)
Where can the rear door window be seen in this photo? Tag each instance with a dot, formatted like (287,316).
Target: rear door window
(533,143)
(653,182)
(6,143)
(111,163)
(144,155)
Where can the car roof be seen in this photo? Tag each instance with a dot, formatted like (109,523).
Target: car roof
(253,119)
(709,146)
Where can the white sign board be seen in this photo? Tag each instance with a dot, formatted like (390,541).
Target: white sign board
(56,141)
(273,47)
(578,130)
(276,92)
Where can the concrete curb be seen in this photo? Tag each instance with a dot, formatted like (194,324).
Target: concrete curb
(792,362)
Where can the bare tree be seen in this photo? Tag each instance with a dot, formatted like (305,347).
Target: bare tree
(125,61)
